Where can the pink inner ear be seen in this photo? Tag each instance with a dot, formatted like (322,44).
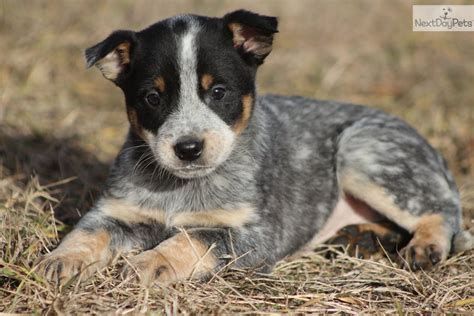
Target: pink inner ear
(251,45)
(248,32)
(258,46)
(251,40)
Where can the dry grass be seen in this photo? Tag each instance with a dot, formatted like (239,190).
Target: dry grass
(310,284)
(60,127)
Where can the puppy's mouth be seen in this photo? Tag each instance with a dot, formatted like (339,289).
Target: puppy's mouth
(193,171)
(184,170)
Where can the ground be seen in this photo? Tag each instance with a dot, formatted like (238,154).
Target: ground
(61,125)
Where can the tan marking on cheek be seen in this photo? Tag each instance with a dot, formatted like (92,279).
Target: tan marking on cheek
(183,256)
(377,198)
(215,218)
(160,84)
(136,127)
(130,213)
(242,122)
(147,136)
(206,81)
(133,119)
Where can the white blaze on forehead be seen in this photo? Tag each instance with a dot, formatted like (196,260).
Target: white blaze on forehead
(188,66)
(193,115)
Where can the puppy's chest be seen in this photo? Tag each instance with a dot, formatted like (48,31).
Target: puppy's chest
(191,207)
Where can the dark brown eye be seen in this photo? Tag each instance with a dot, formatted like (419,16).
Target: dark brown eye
(153,98)
(218,92)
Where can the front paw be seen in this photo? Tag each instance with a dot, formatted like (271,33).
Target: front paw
(150,266)
(61,265)
(418,256)
(178,258)
(80,252)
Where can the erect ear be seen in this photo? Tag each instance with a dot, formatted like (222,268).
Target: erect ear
(252,34)
(113,56)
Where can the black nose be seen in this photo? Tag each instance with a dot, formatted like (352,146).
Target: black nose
(188,149)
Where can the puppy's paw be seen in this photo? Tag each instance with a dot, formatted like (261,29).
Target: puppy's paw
(80,252)
(180,257)
(369,239)
(430,244)
(150,266)
(419,255)
(60,266)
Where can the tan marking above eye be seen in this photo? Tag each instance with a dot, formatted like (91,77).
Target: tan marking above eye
(160,84)
(206,81)
(243,121)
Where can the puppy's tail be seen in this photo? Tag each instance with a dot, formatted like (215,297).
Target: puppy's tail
(463,241)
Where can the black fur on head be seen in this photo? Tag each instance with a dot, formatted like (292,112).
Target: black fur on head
(224,54)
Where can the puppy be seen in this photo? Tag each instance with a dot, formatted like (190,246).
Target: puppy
(210,172)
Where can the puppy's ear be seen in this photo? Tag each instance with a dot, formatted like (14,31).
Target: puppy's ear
(252,34)
(113,56)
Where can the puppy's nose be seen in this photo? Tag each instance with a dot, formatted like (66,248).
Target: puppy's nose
(188,149)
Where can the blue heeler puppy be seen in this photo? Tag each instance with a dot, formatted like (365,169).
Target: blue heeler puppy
(211,172)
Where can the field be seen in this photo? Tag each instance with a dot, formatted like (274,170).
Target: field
(61,126)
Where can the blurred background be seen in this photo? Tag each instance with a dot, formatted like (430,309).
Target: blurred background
(61,122)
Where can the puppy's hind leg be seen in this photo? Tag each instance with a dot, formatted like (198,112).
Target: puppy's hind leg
(393,170)
(366,240)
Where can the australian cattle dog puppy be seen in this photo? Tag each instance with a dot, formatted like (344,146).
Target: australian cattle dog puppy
(212,172)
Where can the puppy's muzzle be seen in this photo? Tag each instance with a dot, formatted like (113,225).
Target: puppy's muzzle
(188,148)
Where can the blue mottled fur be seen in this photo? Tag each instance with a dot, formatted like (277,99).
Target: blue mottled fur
(287,167)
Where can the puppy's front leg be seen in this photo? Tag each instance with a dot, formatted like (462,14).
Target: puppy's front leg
(101,233)
(179,257)
(81,250)
(196,253)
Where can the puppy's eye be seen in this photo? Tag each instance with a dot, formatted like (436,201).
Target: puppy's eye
(153,98)
(218,92)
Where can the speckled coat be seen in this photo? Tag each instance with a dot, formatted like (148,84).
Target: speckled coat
(260,177)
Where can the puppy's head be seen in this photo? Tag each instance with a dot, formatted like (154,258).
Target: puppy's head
(189,84)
